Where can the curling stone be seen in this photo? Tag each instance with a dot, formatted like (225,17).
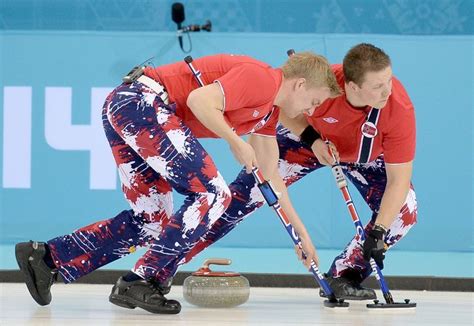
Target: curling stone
(206,288)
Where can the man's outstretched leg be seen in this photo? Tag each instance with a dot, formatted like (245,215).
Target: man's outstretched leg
(78,253)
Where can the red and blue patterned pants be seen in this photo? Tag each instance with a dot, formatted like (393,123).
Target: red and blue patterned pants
(297,161)
(155,153)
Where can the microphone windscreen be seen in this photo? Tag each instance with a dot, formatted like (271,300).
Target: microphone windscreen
(177,12)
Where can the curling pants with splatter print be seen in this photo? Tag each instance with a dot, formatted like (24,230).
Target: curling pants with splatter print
(155,152)
(296,161)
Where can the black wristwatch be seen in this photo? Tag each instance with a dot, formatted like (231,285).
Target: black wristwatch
(309,136)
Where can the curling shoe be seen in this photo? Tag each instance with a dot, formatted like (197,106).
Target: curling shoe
(144,294)
(38,275)
(346,289)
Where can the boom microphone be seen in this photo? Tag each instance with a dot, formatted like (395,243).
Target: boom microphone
(177,15)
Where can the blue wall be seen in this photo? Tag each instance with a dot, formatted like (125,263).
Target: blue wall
(409,17)
(57,176)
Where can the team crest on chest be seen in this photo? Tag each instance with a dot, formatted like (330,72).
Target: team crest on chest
(255,114)
(330,120)
(369,129)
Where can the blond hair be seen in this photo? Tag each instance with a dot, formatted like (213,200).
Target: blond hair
(314,68)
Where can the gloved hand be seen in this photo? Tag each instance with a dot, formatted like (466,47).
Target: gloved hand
(374,245)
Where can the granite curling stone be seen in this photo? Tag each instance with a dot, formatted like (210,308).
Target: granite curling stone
(206,288)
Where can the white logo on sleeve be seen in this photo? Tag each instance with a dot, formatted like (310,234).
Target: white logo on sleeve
(330,120)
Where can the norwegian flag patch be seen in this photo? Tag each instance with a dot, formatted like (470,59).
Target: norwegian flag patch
(369,129)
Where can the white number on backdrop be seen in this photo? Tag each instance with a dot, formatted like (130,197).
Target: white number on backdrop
(60,134)
(16,137)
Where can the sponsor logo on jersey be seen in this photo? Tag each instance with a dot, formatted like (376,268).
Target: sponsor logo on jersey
(330,120)
(262,122)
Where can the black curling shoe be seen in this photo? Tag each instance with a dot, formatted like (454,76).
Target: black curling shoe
(144,294)
(38,276)
(346,289)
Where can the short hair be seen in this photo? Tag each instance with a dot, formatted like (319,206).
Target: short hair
(314,68)
(361,59)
